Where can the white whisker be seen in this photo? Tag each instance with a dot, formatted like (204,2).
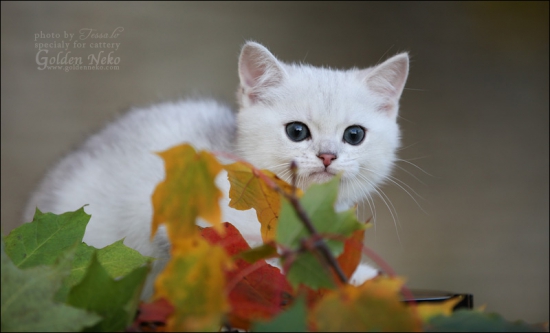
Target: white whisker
(414,165)
(406,147)
(383,196)
(410,174)
(395,181)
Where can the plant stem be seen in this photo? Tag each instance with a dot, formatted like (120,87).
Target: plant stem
(320,244)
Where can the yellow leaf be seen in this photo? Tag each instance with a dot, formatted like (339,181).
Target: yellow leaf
(432,309)
(194,283)
(373,306)
(187,192)
(481,308)
(248,190)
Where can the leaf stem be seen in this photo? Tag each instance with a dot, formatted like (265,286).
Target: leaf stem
(302,215)
(321,244)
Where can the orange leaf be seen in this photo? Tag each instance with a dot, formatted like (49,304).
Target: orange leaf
(374,306)
(194,282)
(187,192)
(248,190)
(256,291)
(351,257)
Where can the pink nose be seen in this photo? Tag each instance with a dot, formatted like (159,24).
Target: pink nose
(327,158)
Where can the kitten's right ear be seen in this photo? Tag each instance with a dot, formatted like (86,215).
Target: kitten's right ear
(388,80)
(259,70)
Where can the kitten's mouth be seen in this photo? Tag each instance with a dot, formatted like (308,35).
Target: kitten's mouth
(321,176)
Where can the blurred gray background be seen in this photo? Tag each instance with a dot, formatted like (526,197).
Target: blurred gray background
(474,115)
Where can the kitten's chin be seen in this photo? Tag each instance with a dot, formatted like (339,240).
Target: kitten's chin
(320,177)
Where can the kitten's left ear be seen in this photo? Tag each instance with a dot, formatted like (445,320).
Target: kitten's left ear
(259,71)
(388,79)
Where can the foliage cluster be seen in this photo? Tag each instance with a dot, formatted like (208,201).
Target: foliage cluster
(52,281)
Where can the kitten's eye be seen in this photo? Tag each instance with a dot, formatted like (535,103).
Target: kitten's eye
(354,135)
(297,131)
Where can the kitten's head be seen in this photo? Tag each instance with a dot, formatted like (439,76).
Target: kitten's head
(327,121)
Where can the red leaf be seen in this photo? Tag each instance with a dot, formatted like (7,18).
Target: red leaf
(256,291)
(152,316)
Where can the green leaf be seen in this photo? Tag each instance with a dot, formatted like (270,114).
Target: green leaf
(318,202)
(43,240)
(308,269)
(117,259)
(27,299)
(99,293)
(292,320)
(476,321)
(291,227)
(264,251)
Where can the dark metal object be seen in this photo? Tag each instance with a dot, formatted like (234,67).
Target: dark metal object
(434,296)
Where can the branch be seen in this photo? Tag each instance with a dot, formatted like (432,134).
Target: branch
(293,199)
(321,244)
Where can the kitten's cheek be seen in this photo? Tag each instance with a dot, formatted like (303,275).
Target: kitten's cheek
(338,171)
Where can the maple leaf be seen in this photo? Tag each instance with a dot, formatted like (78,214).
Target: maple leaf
(152,315)
(114,300)
(256,290)
(49,236)
(117,259)
(373,306)
(187,192)
(249,190)
(194,283)
(28,299)
(41,241)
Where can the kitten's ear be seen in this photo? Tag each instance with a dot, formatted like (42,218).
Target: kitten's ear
(388,79)
(259,70)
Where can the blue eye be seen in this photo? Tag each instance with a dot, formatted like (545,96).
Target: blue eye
(354,135)
(297,131)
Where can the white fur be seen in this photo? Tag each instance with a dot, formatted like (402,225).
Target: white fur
(116,171)
(327,101)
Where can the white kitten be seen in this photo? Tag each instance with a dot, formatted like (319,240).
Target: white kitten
(328,121)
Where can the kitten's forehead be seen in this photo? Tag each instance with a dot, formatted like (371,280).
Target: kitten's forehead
(325,99)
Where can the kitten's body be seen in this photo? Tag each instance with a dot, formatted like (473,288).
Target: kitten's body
(115,171)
